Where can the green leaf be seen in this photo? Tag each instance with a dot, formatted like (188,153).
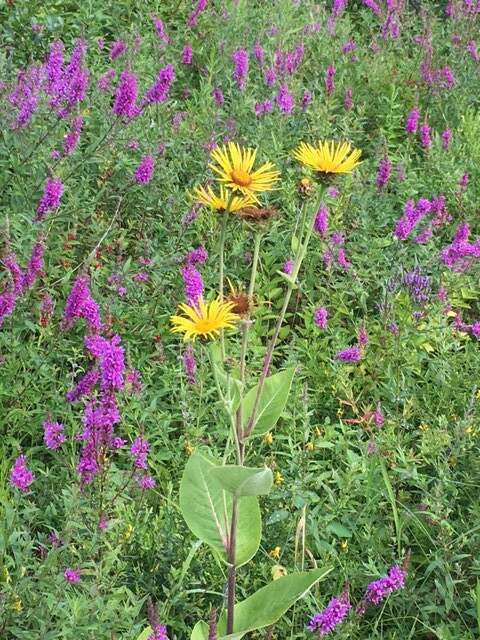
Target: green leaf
(272,401)
(243,481)
(146,632)
(200,631)
(207,510)
(338,529)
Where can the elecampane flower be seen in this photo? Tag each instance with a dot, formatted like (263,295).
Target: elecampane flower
(222,201)
(328,157)
(204,319)
(235,169)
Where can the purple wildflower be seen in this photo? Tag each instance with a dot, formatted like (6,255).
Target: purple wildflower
(84,386)
(425,136)
(72,138)
(189,364)
(126,96)
(72,575)
(411,126)
(134,380)
(285,100)
(378,417)
(373,6)
(463,182)
(80,304)
(118,49)
(144,171)
(197,256)
(473,51)
(329,80)
(46,309)
(306,99)
(334,614)
(342,260)
(145,482)
(320,317)
(446,138)
(262,108)
(259,53)
(218,96)
(104,81)
(53,434)
(379,590)
(139,451)
(348,99)
(288,267)
(240,61)
(349,46)
(160,29)
(187,54)
(193,284)
(20,476)
(321,221)
(475,329)
(363,337)
(351,354)
(192,19)
(8,301)
(159,91)
(384,172)
(338,7)
(159,633)
(111,357)
(270,77)
(50,200)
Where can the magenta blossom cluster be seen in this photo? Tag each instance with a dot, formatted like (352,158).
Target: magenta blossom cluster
(285,101)
(384,172)
(53,435)
(159,632)
(72,575)
(320,317)
(20,476)
(192,278)
(240,72)
(349,355)
(20,281)
(144,171)
(329,80)
(287,62)
(160,30)
(415,212)
(192,19)
(334,614)
(72,138)
(461,253)
(160,89)
(50,200)
(190,364)
(380,589)
(81,305)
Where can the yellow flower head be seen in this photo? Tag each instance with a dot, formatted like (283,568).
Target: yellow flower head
(275,553)
(223,201)
(235,169)
(205,320)
(278,478)
(328,157)
(268,438)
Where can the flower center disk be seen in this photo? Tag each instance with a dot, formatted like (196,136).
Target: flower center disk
(241,178)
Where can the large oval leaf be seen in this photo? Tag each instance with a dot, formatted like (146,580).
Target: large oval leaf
(272,401)
(243,481)
(207,510)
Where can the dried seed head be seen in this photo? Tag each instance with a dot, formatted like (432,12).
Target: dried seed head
(256,214)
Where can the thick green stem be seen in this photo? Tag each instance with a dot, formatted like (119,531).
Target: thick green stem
(232,569)
(301,253)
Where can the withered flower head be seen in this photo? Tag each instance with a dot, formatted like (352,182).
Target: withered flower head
(256,214)
(305,186)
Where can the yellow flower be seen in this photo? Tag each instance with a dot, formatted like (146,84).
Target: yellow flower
(275,553)
(235,170)
(424,427)
(205,320)
(344,545)
(278,478)
(328,157)
(225,200)
(17,604)
(188,448)
(309,446)
(268,438)
(128,533)
(477,395)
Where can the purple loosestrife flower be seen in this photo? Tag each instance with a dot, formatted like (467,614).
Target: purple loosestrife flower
(112,363)
(351,354)
(363,337)
(50,200)
(475,329)
(197,256)
(338,7)
(378,417)
(463,182)
(190,364)
(342,260)
(240,73)
(16,273)
(53,434)
(218,96)
(187,54)
(160,89)
(306,99)
(160,29)
(259,53)
(320,317)
(446,138)
(348,100)
(379,590)
(473,51)
(425,137)
(54,65)
(80,304)
(288,267)
(270,77)
(411,126)
(20,476)
(262,108)
(285,100)
(144,171)
(72,138)
(72,575)
(84,386)
(46,310)
(139,450)
(349,46)
(118,49)
(384,172)
(329,80)
(8,301)
(146,482)
(134,381)
(448,77)
(373,6)
(159,633)
(321,221)
(126,96)
(193,284)
(104,81)
(334,614)
(192,19)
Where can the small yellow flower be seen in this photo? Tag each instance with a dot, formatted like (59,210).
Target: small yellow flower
(424,427)
(344,546)
(189,449)
(128,533)
(477,395)
(6,575)
(17,604)
(205,320)
(278,478)
(223,201)
(339,412)
(309,446)
(268,438)
(318,432)
(275,553)
(328,157)
(305,185)
(469,430)
(235,169)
